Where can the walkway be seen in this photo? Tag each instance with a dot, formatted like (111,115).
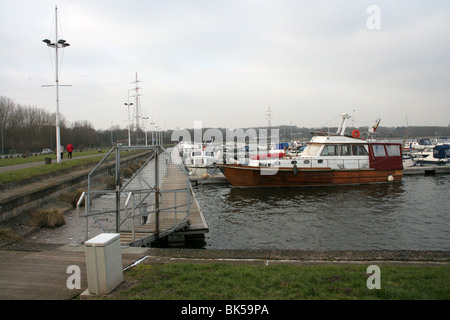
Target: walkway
(42,275)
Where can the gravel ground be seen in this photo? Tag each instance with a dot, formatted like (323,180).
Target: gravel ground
(72,233)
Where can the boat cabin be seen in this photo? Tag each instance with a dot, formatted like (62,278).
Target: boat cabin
(339,152)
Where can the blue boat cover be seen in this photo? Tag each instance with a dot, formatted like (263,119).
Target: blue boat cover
(441,151)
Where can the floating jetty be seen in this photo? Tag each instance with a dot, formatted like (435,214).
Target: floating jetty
(426,170)
(173,224)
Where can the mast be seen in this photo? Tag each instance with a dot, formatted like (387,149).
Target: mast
(343,124)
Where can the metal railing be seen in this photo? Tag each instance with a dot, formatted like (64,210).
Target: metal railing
(158,192)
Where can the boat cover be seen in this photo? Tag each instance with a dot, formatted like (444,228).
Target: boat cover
(442,151)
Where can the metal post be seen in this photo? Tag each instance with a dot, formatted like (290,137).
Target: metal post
(132,212)
(157,193)
(117,190)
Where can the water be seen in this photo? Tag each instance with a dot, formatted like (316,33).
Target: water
(413,214)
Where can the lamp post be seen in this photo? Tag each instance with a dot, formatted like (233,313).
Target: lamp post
(151,126)
(129,123)
(145,128)
(58,44)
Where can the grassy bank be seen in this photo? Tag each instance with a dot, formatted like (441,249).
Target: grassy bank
(21,175)
(41,158)
(27,173)
(215,281)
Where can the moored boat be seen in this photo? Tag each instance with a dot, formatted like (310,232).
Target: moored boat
(328,159)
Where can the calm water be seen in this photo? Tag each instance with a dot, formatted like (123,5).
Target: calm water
(411,215)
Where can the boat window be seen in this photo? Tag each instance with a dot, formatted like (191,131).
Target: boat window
(330,150)
(311,150)
(346,150)
(393,150)
(378,150)
(306,162)
(359,150)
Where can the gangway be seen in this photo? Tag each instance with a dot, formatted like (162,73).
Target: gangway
(156,202)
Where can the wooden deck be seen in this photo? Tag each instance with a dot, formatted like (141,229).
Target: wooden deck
(26,275)
(173,215)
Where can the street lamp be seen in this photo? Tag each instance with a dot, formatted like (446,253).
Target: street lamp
(145,128)
(58,44)
(129,123)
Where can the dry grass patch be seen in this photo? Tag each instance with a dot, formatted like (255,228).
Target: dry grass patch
(8,235)
(49,218)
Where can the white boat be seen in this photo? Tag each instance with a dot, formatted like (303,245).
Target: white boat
(201,160)
(435,155)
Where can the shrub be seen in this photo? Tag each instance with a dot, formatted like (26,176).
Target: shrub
(49,218)
(8,235)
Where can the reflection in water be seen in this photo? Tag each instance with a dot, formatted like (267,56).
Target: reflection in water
(412,214)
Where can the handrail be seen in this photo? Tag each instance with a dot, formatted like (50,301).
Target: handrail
(79,203)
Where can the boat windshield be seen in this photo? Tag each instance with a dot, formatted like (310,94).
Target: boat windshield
(311,150)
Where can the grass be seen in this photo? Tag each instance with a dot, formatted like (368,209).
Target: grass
(26,173)
(49,219)
(41,158)
(215,281)
(42,170)
(8,235)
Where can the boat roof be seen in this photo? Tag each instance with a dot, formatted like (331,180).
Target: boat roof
(335,139)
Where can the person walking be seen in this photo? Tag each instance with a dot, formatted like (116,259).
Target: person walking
(62,151)
(69,149)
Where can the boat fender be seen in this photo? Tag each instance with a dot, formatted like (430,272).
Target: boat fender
(355,134)
(294,162)
(390,178)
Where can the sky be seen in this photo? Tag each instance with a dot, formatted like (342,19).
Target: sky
(225,62)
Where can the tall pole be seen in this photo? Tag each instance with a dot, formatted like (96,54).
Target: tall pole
(57,44)
(129,122)
(58,134)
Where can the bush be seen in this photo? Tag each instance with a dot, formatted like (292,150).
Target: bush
(49,219)
(7,235)
(127,173)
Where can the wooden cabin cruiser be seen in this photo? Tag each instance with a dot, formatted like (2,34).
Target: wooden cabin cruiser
(328,159)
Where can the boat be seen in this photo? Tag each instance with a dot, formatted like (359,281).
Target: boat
(328,159)
(200,159)
(436,155)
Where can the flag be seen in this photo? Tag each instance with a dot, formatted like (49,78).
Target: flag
(376,125)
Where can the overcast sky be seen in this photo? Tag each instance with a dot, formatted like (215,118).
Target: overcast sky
(224,62)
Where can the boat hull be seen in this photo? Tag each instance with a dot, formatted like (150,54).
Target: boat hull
(247,176)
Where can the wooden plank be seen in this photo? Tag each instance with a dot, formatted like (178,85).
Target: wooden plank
(43,275)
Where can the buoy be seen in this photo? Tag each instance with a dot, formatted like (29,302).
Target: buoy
(355,134)
(390,178)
